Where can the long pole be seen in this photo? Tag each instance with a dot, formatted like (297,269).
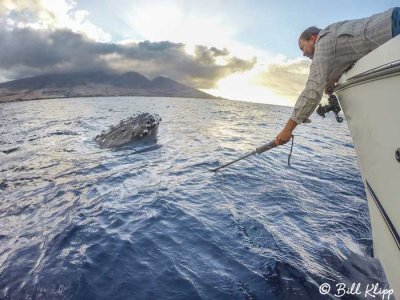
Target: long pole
(259,150)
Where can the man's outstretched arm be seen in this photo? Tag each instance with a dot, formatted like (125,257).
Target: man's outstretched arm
(312,94)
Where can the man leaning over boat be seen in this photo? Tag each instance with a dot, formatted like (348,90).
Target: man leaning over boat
(332,51)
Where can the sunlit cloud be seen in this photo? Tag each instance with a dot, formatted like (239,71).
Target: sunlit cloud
(161,20)
(287,79)
(50,15)
(276,81)
(241,86)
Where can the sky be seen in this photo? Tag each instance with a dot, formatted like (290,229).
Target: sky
(238,49)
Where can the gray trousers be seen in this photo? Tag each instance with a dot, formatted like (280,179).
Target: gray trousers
(396,22)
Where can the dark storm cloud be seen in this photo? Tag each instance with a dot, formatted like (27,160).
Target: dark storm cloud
(38,49)
(28,52)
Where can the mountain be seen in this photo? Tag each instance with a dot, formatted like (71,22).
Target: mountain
(99,83)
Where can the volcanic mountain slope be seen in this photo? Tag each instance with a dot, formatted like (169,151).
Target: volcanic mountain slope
(99,83)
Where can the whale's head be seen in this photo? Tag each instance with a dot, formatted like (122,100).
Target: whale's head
(135,128)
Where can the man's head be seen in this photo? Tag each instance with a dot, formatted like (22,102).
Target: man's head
(307,41)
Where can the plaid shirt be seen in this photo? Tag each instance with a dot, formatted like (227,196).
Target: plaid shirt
(337,47)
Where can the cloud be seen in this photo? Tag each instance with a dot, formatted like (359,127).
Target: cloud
(189,22)
(286,79)
(49,15)
(28,52)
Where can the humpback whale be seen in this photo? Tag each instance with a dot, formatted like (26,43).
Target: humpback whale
(129,130)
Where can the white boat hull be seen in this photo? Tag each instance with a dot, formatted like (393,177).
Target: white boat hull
(371,104)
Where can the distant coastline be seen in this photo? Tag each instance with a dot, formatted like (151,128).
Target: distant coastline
(95,84)
(105,96)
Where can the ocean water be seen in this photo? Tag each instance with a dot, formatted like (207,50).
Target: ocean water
(149,221)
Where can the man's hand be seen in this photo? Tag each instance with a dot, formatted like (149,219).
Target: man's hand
(283,137)
(286,134)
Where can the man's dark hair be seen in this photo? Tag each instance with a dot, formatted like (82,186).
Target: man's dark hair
(309,32)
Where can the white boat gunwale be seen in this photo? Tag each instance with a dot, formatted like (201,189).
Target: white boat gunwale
(381,72)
